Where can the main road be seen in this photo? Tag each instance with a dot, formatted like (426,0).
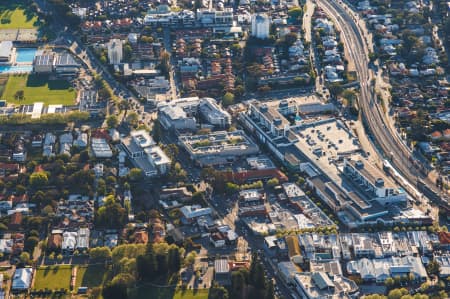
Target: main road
(386,138)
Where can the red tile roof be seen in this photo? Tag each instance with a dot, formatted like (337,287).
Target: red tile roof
(444,238)
(9,166)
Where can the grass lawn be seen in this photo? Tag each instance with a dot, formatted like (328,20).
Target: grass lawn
(90,276)
(53,277)
(167,293)
(38,88)
(13,17)
(191,294)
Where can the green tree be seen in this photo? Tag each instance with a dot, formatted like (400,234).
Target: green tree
(174,260)
(127,52)
(259,280)
(124,105)
(273,182)
(20,189)
(190,259)
(238,284)
(31,243)
(38,197)
(24,257)
(38,179)
(126,279)
(228,99)
(350,96)
(433,268)
(164,65)
(112,121)
(231,188)
(101,186)
(217,292)
(290,39)
(100,253)
(256,275)
(19,95)
(374,296)
(133,118)
(147,266)
(103,59)
(135,174)
(157,131)
(295,13)
(335,89)
(389,283)
(117,290)
(270,294)
(111,214)
(397,293)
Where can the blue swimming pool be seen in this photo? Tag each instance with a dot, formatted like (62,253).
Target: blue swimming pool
(24,62)
(25,55)
(16,68)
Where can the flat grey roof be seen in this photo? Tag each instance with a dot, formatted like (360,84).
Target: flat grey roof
(221,266)
(6,48)
(371,173)
(43,59)
(65,60)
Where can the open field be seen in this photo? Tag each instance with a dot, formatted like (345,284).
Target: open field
(90,276)
(38,89)
(53,277)
(167,293)
(14,17)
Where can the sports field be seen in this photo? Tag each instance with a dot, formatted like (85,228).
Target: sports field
(13,17)
(167,293)
(38,88)
(90,276)
(53,277)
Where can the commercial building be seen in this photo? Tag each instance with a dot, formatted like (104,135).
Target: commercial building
(190,213)
(267,122)
(115,51)
(319,285)
(100,148)
(173,117)
(287,271)
(444,263)
(373,182)
(328,152)
(183,114)
(330,267)
(219,147)
(43,64)
(65,65)
(298,198)
(378,270)
(145,154)
(256,168)
(88,102)
(222,274)
(252,203)
(260,25)
(163,16)
(214,114)
(6,51)
(212,17)
(60,64)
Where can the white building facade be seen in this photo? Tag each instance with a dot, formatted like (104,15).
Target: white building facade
(260,26)
(115,51)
